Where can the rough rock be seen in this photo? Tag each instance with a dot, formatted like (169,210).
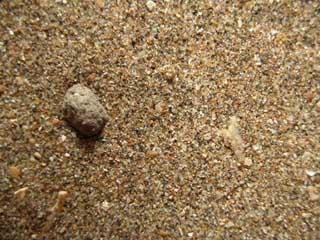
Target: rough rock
(151,5)
(83,111)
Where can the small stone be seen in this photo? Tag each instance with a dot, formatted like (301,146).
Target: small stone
(37,155)
(309,96)
(219,195)
(207,136)
(159,107)
(105,205)
(55,121)
(34,236)
(151,5)
(21,193)
(279,219)
(2,89)
(257,148)
(83,111)
(316,179)
(311,173)
(316,210)
(43,3)
(100,3)
(316,67)
(257,60)
(152,154)
(14,172)
(306,215)
(21,81)
(247,162)
(62,230)
(229,225)
(62,1)
(169,74)
(306,156)
(58,207)
(314,195)
(190,234)
(62,138)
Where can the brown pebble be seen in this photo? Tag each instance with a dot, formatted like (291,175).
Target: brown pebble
(14,172)
(169,76)
(2,89)
(152,154)
(37,155)
(309,96)
(55,121)
(316,179)
(100,3)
